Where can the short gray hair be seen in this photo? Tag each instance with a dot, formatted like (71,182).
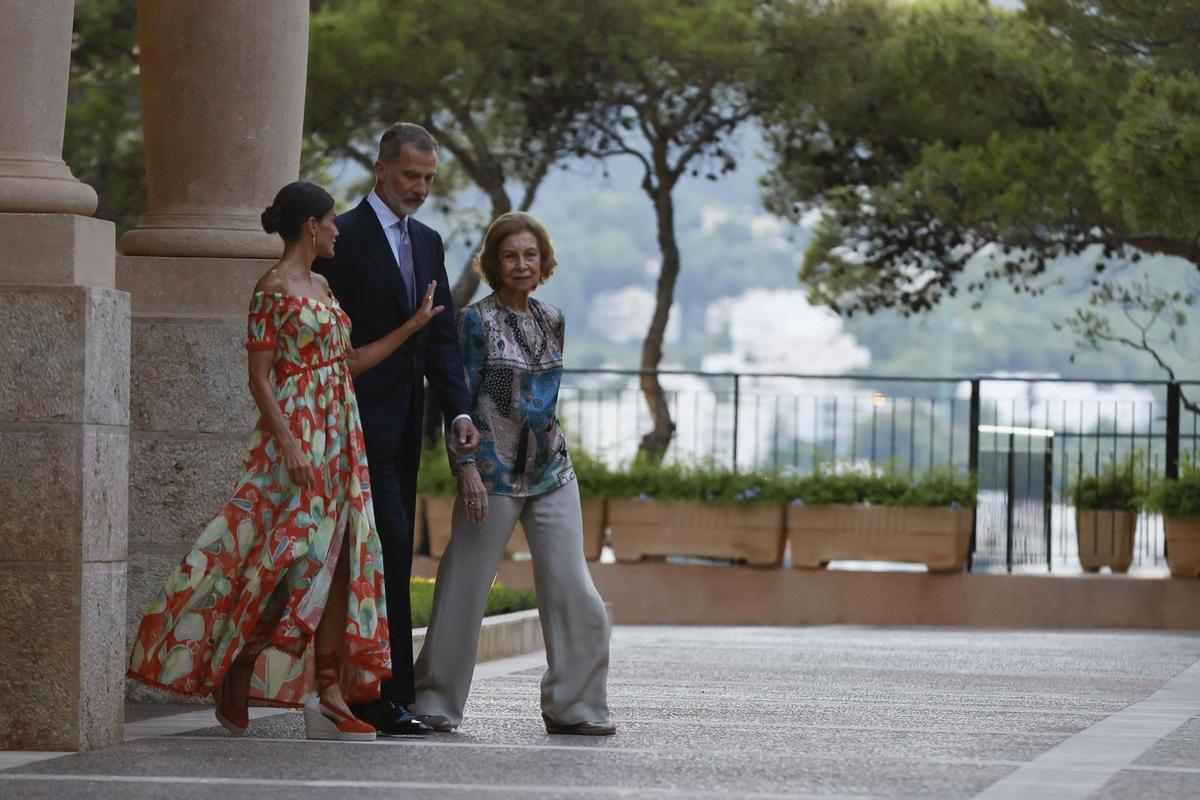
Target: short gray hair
(402,133)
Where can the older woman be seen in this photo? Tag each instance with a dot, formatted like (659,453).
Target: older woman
(512,347)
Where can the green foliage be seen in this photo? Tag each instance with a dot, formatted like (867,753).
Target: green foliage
(505,600)
(592,474)
(932,489)
(1118,486)
(1178,498)
(501,600)
(103,139)
(502,85)
(705,482)
(435,478)
(934,133)
(711,484)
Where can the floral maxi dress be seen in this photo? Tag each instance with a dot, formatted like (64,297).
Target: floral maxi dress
(258,578)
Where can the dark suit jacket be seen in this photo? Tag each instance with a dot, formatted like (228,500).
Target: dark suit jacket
(367,283)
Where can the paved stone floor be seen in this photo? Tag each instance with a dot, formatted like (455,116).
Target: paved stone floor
(732,713)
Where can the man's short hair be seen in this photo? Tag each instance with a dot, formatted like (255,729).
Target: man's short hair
(402,133)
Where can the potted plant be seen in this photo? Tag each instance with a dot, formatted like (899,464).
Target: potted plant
(437,488)
(880,516)
(592,476)
(1106,512)
(594,479)
(658,510)
(1179,503)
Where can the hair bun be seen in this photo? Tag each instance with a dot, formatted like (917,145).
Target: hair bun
(272,217)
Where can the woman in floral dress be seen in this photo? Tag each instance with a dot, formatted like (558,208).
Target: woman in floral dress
(293,556)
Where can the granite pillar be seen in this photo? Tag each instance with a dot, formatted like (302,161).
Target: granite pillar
(64,413)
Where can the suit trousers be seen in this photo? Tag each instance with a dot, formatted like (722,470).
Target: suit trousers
(573,618)
(391,457)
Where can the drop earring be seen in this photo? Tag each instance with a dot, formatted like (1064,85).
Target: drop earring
(314,240)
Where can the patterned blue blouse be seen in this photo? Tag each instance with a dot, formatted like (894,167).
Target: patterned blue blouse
(514,368)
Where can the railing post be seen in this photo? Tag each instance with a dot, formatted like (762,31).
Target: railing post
(1174,433)
(1047,501)
(737,396)
(973,464)
(1011,488)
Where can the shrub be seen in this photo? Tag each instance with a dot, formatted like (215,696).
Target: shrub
(705,482)
(1178,498)
(593,475)
(712,484)
(933,489)
(435,478)
(501,600)
(1118,486)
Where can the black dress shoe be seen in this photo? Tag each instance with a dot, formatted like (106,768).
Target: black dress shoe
(391,719)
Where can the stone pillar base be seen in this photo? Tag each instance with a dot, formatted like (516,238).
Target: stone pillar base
(64,451)
(57,249)
(44,186)
(190,410)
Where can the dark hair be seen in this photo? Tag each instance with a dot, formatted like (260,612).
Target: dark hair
(402,133)
(293,206)
(487,260)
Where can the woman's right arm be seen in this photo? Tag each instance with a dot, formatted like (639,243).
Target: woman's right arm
(361,359)
(262,389)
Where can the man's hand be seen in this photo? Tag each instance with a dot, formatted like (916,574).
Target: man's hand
(464,438)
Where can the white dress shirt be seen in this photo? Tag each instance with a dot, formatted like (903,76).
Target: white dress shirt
(392,227)
(392,224)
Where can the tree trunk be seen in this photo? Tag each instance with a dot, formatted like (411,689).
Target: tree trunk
(655,443)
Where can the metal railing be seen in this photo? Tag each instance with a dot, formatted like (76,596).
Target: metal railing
(1028,439)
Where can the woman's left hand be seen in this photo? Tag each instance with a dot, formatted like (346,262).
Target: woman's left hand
(472,492)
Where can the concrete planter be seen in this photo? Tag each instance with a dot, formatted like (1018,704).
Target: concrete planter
(501,636)
(936,537)
(692,528)
(594,524)
(1183,546)
(1105,539)
(440,510)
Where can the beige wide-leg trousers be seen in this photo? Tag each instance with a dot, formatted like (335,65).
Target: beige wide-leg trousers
(574,622)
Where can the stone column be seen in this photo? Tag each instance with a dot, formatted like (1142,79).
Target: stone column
(222,108)
(64,413)
(35,53)
(223,101)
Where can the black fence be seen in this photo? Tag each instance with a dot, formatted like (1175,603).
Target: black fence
(1028,439)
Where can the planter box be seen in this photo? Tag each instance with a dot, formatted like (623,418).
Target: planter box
(1105,539)
(936,537)
(419,524)
(692,528)
(438,513)
(1183,545)
(440,510)
(594,524)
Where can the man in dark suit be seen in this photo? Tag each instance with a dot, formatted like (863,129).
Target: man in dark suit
(383,262)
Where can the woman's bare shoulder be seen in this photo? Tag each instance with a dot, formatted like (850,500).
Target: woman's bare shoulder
(272,282)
